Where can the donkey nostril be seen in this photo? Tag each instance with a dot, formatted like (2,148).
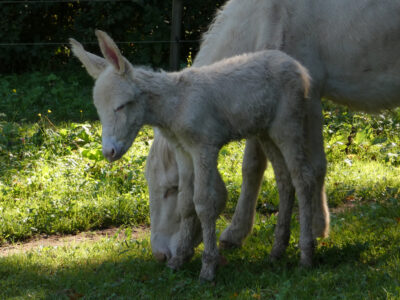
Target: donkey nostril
(112,152)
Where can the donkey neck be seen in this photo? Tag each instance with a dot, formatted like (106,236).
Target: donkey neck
(161,95)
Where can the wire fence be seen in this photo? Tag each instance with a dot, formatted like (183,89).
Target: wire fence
(51,44)
(60,1)
(174,43)
(95,43)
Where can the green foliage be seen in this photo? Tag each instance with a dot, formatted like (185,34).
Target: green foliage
(54,179)
(126,21)
(60,96)
(363,136)
(363,153)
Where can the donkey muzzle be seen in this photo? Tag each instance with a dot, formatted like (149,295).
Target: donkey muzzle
(111,150)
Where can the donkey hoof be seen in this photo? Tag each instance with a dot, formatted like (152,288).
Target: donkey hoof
(207,274)
(276,253)
(306,261)
(209,267)
(175,263)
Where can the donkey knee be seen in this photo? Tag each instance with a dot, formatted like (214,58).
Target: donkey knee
(254,160)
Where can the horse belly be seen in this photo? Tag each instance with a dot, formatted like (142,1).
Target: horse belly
(360,53)
(367,92)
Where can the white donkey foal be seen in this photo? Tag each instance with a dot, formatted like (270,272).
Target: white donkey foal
(260,95)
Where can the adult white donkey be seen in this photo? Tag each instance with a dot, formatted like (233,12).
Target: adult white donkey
(259,95)
(352,51)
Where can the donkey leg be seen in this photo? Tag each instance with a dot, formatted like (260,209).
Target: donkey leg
(209,193)
(286,199)
(189,225)
(253,167)
(305,189)
(316,154)
(291,143)
(304,181)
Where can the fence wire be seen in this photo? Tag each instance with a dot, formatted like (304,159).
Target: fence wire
(10,44)
(95,43)
(60,1)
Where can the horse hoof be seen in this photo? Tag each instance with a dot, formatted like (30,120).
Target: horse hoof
(276,253)
(175,263)
(207,275)
(306,262)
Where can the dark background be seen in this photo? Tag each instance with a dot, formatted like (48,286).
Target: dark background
(34,34)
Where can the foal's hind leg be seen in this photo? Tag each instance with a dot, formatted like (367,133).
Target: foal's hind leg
(286,199)
(287,132)
(304,181)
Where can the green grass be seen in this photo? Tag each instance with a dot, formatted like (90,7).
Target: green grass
(54,179)
(359,261)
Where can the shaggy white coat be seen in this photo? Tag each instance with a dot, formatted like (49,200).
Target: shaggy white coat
(350,47)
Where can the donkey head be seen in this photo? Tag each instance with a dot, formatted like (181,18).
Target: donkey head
(118,100)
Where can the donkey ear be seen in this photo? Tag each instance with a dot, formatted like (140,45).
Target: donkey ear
(111,52)
(94,64)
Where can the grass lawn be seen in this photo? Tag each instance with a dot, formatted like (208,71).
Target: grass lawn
(360,260)
(54,180)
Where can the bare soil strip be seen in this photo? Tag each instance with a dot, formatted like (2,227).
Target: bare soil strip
(70,239)
(93,236)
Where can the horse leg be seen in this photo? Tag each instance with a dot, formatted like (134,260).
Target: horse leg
(316,154)
(253,167)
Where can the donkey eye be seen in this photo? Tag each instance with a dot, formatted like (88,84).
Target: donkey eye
(119,108)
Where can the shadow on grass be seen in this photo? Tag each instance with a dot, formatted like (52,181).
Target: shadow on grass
(360,260)
(130,272)
(337,255)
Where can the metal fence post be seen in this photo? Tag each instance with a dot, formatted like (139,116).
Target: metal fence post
(176,28)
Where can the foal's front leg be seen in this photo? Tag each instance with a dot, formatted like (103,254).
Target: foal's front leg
(189,225)
(209,195)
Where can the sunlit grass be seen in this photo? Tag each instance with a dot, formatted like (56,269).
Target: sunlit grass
(62,184)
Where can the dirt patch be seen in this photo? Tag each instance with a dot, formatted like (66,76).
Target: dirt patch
(73,239)
(349,204)
(70,239)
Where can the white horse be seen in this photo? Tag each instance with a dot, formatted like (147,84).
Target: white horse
(352,51)
(259,95)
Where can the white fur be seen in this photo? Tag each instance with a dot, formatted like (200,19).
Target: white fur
(351,48)
(200,109)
